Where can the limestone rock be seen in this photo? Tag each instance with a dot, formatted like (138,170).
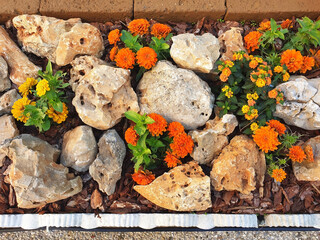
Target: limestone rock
(301,106)
(231,41)
(79,148)
(198,53)
(7,100)
(240,166)
(34,174)
(58,40)
(183,188)
(177,94)
(106,168)
(8,128)
(210,141)
(81,67)
(309,171)
(5,83)
(103,96)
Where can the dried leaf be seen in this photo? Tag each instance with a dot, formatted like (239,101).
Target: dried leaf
(96,199)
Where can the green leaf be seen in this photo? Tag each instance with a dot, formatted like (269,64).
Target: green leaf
(49,68)
(46,124)
(133,116)
(57,106)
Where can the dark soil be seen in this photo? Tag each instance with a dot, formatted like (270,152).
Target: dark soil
(291,196)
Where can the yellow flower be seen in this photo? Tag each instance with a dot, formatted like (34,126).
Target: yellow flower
(237,56)
(225,88)
(229,94)
(254,113)
(260,60)
(58,117)
(255,96)
(260,82)
(18,109)
(228,63)
(42,87)
(254,126)
(249,96)
(220,67)
(245,108)
(286,76)
(278,69)
(24,88)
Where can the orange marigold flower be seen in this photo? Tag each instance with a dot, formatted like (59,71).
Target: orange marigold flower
(113,53)
(125,58)
(253,64)
(297,154)
(292,59)
(286,24)
(182,145)
(146,57)
(131,136)
(160,30)
(139,26)
(308,63)
(143,177)
(175,128)
(159,125)
(309,153)
(264,26)
(266,138)
(278,126)
(171,160)
(252,41)
(279,174)
(114,36)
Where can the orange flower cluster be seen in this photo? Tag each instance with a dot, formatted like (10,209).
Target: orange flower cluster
(251,41)
(113,53)
(262,76)
(292,59)
(143,177)
(278,126)
(264,26)
(146,57)
(225,70)
(125,58)
(276,94)
(160,30)
(182,145)
(175,128)
(308,63)
(159,126)
(297,154)
(131,136)
(266,138)
(279,174)
(172,160)
(114,36)
(139,26)
(286,24)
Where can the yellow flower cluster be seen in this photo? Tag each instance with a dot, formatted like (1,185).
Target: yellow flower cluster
(285,74)
(58,117)
(262,76)
(254,127)
(249,112)
(225,70)
(228,91)
(25,88)
(18,109)
(276,94)
(42,87)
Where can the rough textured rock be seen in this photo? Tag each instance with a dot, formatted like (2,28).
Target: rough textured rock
(210,141)
(231,41)
(302,100)
(5,83)
(180,95)
(81,67)
(34,174)
(106,168)
(198,53)
(309,171)
(58,40)
(103,96)
(20,66)
(7,100)
(183,188)
(8,128)
(79,148)
(240,166)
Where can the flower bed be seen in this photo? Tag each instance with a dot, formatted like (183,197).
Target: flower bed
(87,95)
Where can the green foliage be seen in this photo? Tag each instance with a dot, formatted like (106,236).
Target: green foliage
(37,113)
(308,35)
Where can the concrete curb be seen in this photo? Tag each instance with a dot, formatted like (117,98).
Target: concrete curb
(173,10)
